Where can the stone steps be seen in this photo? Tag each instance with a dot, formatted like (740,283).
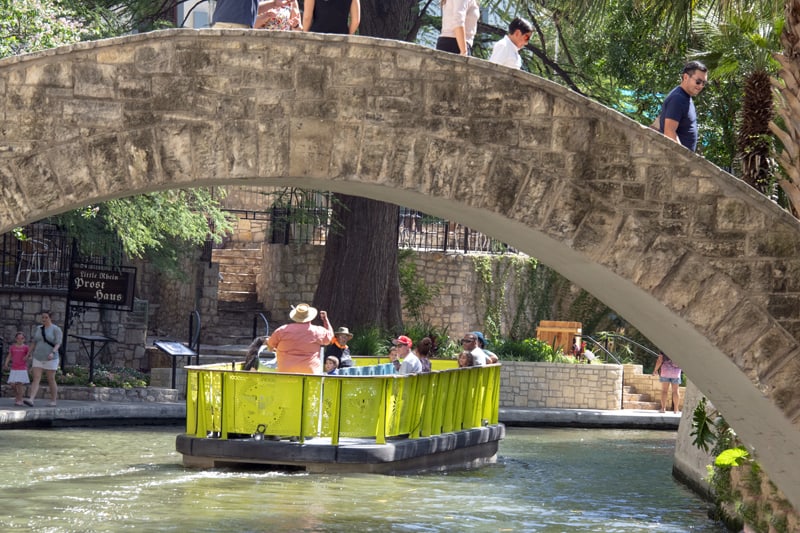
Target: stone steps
(238,270)
(634,382)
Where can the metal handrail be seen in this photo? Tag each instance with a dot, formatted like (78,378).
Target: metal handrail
(194,334)
(256,324)
(597,343)
(626,339)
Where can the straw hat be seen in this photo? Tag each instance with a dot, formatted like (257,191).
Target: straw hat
(303,313)
(344,331)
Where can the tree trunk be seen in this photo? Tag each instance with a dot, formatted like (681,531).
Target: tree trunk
(754,140)
(391,19)
(359,284)
(789,88)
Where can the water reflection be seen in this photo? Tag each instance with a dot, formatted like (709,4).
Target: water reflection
(548,480)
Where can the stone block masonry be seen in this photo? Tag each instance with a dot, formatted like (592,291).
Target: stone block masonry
(559,385)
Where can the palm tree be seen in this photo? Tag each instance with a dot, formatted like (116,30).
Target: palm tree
(788,131)
(740,46)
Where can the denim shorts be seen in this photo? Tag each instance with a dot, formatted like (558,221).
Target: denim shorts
(677,381)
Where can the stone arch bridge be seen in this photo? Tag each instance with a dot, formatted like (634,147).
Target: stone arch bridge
(704,266)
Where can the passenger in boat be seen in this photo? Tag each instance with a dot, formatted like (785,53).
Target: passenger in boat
(297,344)
(465,359)
(423,351)
(251,359)
(393,358)
(482,345)
(410,363)
(470,343)
(331,365)
(338,347)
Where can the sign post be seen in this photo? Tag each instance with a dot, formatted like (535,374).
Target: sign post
(100,286)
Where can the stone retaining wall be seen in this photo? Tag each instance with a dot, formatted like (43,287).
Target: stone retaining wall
(106,394)
(558,385)
(290,274)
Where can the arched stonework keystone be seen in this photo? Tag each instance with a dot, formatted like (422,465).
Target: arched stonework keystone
(702,264)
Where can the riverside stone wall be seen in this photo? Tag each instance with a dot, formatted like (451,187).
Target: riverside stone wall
(566,386)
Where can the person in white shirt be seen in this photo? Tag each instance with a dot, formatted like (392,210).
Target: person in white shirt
(459,25)
(470,344)
(506,50)
(411,363)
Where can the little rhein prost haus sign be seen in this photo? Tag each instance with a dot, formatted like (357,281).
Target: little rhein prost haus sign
(102,286)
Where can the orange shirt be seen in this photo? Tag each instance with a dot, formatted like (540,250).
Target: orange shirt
(297,345)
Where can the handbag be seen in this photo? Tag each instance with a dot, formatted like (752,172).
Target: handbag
(278,15)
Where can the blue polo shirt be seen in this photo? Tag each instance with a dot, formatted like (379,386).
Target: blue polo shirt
(678,106)
(236,12)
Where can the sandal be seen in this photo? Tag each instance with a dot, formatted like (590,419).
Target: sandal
(51,404)
(29,403)
(19,404)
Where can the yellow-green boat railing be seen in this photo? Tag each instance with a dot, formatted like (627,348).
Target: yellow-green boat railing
(223,402)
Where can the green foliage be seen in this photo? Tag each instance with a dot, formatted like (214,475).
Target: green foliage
(533,350)
(164,226)
(33,25)
(732,457)
(702,427)
(374,340)
(125,378)
(367,341)
(417,293)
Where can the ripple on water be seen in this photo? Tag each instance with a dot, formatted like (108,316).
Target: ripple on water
(546,480)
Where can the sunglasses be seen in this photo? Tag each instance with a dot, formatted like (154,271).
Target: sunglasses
(700,82)
(467,341)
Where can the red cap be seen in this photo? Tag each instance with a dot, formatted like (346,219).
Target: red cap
(402,339)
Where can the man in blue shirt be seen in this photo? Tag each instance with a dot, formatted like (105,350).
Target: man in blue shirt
(678,118)
(235,14)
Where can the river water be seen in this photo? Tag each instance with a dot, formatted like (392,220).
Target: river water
(545,480)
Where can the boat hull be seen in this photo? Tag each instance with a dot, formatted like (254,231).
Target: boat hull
(456,450)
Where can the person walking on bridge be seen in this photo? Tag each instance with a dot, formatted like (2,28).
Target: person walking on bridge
(506,50)
(234,14)
(678,117)
(459,25)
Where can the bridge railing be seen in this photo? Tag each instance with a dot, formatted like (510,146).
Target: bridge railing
(225,403)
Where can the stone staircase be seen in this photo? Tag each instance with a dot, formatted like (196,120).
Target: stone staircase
(634,400)
(643,391)
(238,268)
(237,300)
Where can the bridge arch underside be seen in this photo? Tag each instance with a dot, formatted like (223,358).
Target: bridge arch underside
(703,265)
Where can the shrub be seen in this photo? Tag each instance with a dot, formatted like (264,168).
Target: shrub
(125,378)
(534,350)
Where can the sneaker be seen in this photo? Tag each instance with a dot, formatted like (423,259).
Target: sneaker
(29,403)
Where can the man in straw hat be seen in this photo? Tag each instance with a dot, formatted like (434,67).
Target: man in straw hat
(297,344)
(338,347)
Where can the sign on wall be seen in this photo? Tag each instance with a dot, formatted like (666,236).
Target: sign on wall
(102,286)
